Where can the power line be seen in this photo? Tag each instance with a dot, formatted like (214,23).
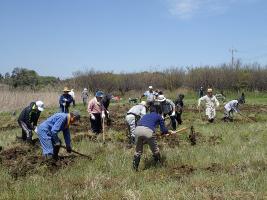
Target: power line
(232,50)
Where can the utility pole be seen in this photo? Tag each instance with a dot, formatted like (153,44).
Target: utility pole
(232,52)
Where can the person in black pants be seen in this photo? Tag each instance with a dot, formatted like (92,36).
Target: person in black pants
(28,119)
(179,105)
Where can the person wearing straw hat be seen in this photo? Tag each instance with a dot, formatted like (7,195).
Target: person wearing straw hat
(28,119)
(96,111)
(48,132)
(211,104)
(65,100)
(132,117)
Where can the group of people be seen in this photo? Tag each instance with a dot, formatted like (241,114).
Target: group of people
(142,119)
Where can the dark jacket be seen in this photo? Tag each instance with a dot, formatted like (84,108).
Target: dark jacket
(106,100)
(179,105)
(65,98)
(30,116)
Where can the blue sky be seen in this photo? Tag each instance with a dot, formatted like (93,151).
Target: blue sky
(58,37)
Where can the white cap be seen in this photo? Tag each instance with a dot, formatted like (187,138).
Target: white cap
(161,98)
(85,89)
(150,87)
(143,103)
(40,105)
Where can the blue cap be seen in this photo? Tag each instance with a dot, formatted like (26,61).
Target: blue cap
(99,94)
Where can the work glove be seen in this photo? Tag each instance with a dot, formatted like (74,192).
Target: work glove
(103,115)
(35,130)
(69,149)
(92,117)
(65,99)
(173,114)
(64,104)
(162,117)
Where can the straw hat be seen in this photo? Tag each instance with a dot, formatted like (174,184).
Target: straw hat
(66,89)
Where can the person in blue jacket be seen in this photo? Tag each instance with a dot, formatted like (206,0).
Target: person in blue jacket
(65,100)
(145,134)
(48,133)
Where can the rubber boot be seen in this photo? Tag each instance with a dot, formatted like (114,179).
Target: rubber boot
(55,153)
(136,161)
(157,158)
(211,120)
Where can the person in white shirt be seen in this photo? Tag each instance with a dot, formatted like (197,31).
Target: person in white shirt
(72,94)
(211,104)
(230,108)
(132,117)
(150,94)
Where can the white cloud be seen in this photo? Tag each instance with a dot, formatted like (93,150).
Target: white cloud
(186,9)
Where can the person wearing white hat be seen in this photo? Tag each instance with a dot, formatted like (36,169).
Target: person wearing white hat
(28,119)
(132,117)
(211,104)
(150,94)
(85,96)
(168,108)
(72,94)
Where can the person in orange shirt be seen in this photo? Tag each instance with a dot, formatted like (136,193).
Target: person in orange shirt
(96,112)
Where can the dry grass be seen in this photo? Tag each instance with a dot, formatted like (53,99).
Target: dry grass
(14,100)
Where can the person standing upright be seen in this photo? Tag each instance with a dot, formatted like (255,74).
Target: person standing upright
(85,96)
(150,96)
(96,112)
(211,104)
(65,100)
(72,94)
(179,105)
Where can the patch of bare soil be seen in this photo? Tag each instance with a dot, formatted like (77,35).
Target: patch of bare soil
(22,160)
(177,172)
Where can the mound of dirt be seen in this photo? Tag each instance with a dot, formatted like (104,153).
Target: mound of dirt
(22,160)
(179,171)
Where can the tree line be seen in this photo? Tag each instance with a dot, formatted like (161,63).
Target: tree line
(223,77)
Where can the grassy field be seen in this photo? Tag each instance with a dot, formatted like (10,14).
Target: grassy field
(229,160)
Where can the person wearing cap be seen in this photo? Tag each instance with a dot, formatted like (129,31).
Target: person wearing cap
(96,112)
(145,133)
(49,129)
(150,95)
(65,100)
(179,105)
(201,92)
(28,119)
(72,94)
(168,108)
(211,104)
(85,96)
(132,117)
(231,107)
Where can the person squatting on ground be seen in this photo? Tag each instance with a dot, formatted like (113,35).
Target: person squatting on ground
(211,102)
(85,96)
(96,112)
(106,101)
(145,133)
(150,96)
(132,117)
(28,119)
(65,100)
(179,105)
(48,133)
(72,94)
(231,107)
(168,108)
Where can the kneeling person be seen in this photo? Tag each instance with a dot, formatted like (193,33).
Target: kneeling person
(145,134)
(28,119)
(48,133)
(230,108)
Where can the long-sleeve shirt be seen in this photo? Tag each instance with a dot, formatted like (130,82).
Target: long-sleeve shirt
(85,94)
(95,107)
(56,123)
(232,105)
(167,106)
(30,115)
(152,120)
(65,98)
(179,105)
(150,96)
(139,110)
(210,102)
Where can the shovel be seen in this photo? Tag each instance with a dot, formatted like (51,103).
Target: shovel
(78,153)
